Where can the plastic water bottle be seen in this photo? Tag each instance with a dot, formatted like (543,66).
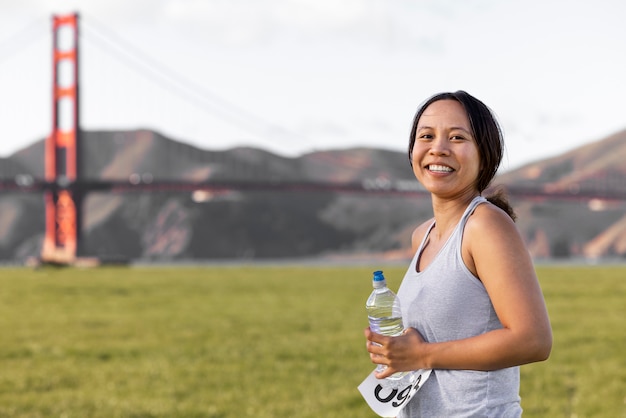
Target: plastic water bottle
(385,316)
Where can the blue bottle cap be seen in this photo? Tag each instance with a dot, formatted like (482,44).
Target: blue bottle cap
(378,276)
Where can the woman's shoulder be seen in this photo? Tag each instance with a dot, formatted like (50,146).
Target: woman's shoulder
(489,224)
(419,232)
(489,215)
(490,236)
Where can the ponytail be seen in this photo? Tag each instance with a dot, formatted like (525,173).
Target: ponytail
(499,198)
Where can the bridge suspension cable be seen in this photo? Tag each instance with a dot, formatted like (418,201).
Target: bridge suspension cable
(192,92)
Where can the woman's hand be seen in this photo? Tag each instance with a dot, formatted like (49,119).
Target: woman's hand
(399,354)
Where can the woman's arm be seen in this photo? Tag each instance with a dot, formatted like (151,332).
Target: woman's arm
(494,251)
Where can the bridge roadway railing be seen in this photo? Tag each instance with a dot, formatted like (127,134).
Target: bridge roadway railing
(28,184)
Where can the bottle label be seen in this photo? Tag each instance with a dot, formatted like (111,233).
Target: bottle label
(388,397)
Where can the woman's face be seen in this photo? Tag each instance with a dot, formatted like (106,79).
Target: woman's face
(445,155)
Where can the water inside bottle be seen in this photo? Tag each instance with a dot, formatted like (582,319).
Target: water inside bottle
(390,326)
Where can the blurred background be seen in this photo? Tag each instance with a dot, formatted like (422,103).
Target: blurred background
(277,129)
(270,136)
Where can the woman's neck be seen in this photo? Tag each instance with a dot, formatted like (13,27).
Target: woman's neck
(449,212)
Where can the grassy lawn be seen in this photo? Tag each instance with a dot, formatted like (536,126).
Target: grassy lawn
(260,342)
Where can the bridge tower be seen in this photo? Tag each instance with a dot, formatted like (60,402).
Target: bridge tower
(62,146)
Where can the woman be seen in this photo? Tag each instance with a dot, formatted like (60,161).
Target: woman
(471,301)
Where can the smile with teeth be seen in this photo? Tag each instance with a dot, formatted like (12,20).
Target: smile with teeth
(439,168)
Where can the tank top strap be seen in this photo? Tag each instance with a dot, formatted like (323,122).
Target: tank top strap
(457,234)
(470,209)
(455,238)
(452,248)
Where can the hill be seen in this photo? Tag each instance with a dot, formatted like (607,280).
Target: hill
(182,226)
(589,228)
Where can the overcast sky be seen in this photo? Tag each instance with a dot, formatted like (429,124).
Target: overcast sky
(294,76)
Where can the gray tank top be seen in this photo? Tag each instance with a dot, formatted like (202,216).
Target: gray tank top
(447,302)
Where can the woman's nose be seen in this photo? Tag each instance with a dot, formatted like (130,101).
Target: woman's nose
(439,146)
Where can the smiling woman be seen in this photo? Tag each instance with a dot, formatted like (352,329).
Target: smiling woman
(471,302)
(473,129)
(444,154)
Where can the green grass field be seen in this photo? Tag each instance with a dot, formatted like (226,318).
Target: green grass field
(261,342)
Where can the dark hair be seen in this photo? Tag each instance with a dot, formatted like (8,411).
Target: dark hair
(488,136)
